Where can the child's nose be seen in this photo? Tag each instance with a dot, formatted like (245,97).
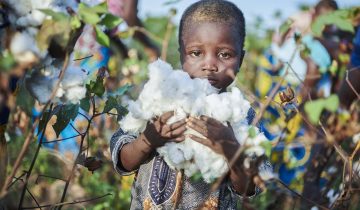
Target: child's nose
(210,64)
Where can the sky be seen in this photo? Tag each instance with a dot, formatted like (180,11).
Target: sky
(250,8)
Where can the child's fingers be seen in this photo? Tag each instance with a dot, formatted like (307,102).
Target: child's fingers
(202,141)
(174,126)
(178,139)
(175,133)
(166,116)
(209,120)
(198,126)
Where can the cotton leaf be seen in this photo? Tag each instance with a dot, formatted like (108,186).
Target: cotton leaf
(110,21)
(101,37)
(88,15)
(55,15)
(313,110)
(332,103)
(58,31)
(64,114)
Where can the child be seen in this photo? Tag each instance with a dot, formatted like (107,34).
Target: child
(211,39)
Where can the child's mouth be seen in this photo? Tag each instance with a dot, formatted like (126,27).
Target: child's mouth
(212,81)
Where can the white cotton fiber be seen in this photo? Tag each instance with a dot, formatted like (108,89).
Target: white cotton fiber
(174,90)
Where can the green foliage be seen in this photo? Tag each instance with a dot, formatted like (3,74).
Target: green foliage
(88,15)
(64,114)
(267,146)
(7,61)
(110,21)
(96,87)
(339,18)
(285,26)
(85,103)
(57,16)
(75,22)
(314,108)
(252,132)
(23,99)
(58,31)
(101,37)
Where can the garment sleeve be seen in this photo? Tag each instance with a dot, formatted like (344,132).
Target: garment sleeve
(118,140)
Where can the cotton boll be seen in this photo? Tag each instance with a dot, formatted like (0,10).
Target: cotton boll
(74,75)
(179,114)
(23,48)
(21,7)
(35,18)
(75,94)
(132,125)
(40,86)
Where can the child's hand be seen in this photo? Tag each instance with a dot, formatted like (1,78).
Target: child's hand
(220,138)
(158,132)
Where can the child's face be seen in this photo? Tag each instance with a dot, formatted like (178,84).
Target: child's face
(213,51)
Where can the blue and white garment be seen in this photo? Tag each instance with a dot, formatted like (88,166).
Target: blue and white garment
(156,182)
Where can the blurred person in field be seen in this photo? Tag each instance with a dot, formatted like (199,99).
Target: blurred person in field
(308,73)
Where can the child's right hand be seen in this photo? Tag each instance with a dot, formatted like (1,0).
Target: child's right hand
(158,132)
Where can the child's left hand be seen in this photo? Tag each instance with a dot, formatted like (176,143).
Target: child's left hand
(220,138)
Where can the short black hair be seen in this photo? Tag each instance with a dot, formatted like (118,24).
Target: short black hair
(328,4)
(218,11)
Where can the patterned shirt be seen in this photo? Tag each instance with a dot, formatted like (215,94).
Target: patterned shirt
(156,186)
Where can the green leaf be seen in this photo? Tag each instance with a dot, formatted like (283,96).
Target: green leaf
(64,115)
(75,22)
(339,18)
(110,104)
(59,31)
(55,15)
(110,21)
(267,146)
(100,8)
(285,26)
(332,103)
(252,132)
(96,87)
(23,98)
(85,104)
(44,119)
(7,61)
(126,34)
(88,15)
(196,177)
(121,111)
(101,37)
(313,110)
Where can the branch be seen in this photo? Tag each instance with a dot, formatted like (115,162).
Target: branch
(37,179)
(64,139)
(69,202)
(300,196)
(78,155)
(28,173)
(30,135)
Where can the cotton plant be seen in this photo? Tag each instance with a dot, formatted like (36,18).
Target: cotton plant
(28,12)
(26,16)
(174,90)
(42,81)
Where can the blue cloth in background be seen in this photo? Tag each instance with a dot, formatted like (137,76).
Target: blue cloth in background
(355,54)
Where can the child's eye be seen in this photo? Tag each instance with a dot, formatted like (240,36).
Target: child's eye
(224,55)
(195,53)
